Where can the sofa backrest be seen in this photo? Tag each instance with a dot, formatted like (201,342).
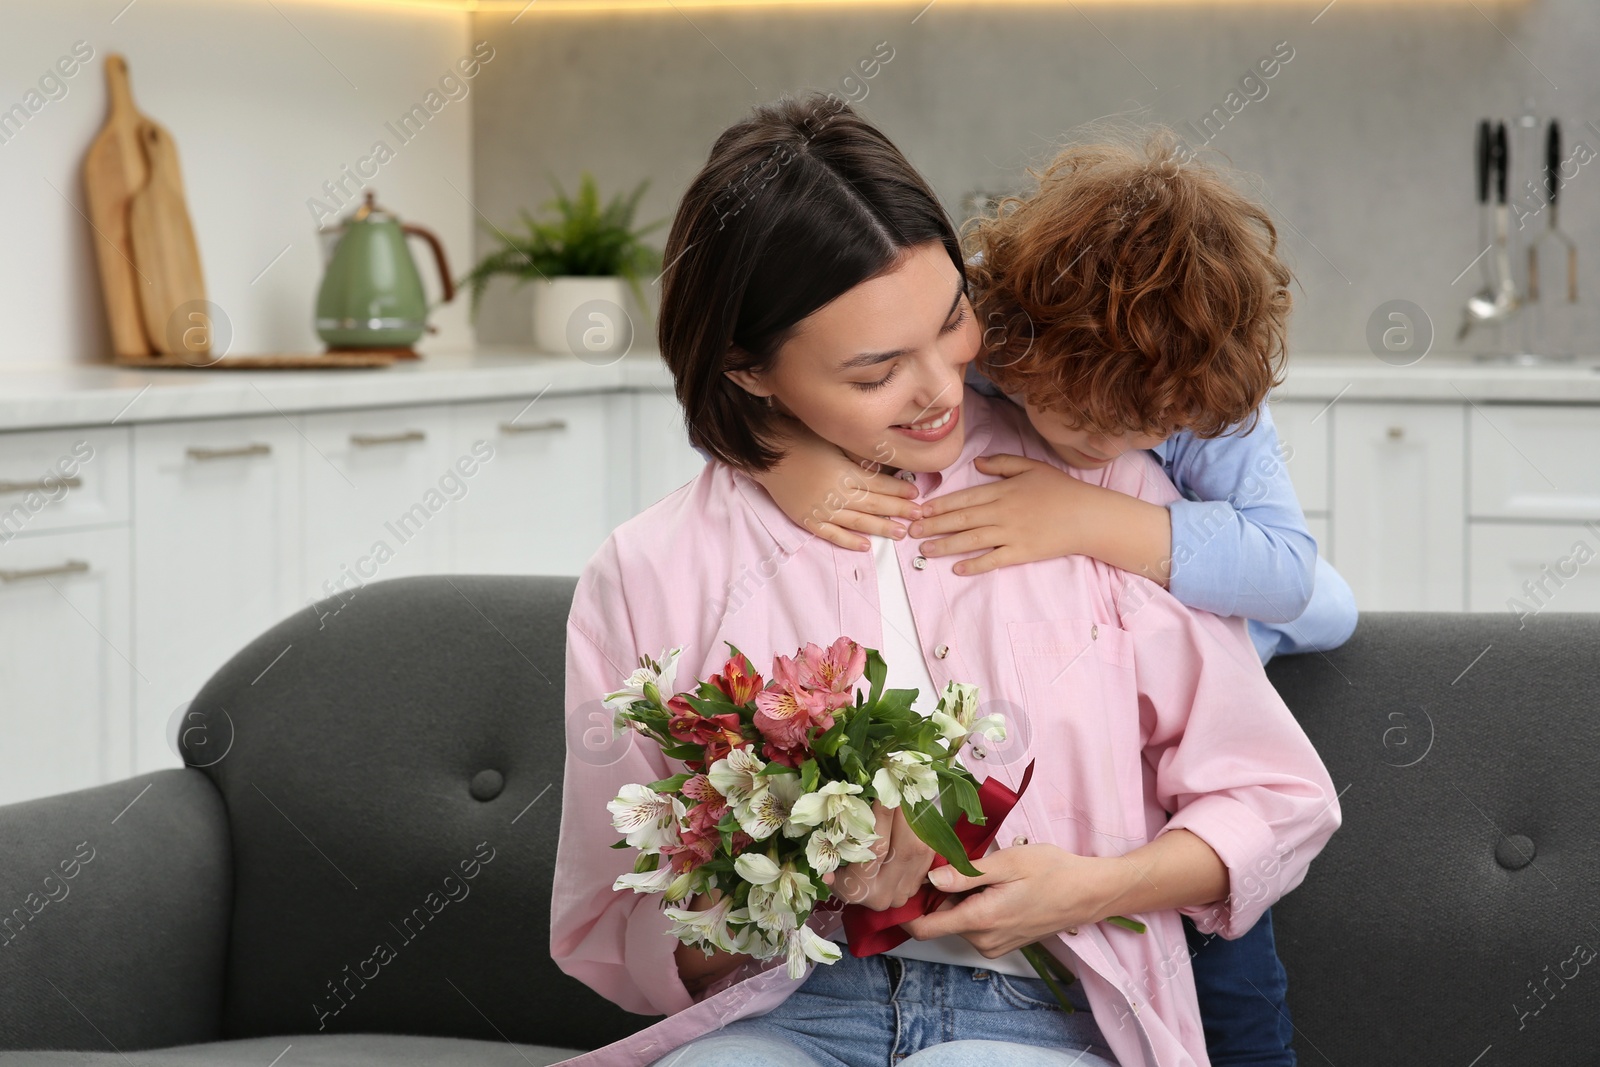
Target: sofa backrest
(391,765)
(1453,912)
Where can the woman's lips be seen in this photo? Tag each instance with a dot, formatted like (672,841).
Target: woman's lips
(935,428)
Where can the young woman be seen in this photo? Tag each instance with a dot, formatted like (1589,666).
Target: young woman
(814,277)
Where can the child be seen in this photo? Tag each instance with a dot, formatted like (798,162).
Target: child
(1133,301)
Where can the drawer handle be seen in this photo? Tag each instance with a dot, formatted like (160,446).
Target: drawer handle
(533,427)
(26,487)
(1396,433)
(255,449)
(365,439)
(71,566)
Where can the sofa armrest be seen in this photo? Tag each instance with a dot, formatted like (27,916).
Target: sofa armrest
(114,908)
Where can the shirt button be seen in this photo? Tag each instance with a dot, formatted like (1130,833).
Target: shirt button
(1019,840)
(1072,929)
(976,750)
(919,563)
(1094,633)
(941,652)
(908,476)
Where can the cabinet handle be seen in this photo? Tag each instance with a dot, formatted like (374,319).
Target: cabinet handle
(71,566)
(365,439)
(1396,433)
(25,487)
(255,449)
(533,427)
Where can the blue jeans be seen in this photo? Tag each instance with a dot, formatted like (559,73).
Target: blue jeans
(1242,989)
(884,1011)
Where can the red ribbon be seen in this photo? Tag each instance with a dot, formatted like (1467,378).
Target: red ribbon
(872,932)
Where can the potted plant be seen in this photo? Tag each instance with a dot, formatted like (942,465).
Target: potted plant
(578,260)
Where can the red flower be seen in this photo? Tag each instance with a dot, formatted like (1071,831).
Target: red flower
(711,806)
(738,681)
(717,734)
(692,850)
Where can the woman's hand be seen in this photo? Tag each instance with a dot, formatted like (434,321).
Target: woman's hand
(898,873)
(1037,511)
(696,969)
(822,489)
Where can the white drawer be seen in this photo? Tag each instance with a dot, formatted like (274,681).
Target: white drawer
(1303,434)
(1535,461)
(59,479)
(1532,567)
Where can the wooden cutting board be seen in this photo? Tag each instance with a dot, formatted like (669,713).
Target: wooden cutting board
(113,170)
(171,287)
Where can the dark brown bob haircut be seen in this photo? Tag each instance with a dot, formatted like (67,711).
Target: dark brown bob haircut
(1136,290)
(800,202)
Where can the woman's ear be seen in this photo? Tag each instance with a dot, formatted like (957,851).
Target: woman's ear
(750,382)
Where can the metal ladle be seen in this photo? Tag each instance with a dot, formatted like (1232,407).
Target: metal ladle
(1497,303)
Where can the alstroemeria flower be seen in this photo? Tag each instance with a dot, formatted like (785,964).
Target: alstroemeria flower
(804,943)
(735,775)
(655,881)
(905,777)
(657,675)
(710,805)
(826,851)
(717,734)
(837,809)
(738,681)
(769,807)
(786,710)
(779,897)
(833,671)
(705,927)
(692,849)
(648,819)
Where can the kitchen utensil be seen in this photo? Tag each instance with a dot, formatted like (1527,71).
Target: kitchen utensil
(114,169)
(1552,164)
(1483,159)
(172,292)
(372,295)
(1484,306)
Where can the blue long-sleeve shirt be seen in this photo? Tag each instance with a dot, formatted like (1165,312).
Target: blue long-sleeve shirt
(1240,545)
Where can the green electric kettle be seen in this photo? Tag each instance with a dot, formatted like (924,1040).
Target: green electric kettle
(371,296)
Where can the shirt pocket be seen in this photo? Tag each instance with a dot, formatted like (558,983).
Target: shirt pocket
(1080,706)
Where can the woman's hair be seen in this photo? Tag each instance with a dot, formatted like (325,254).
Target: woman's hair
(1136,290)
(798,203)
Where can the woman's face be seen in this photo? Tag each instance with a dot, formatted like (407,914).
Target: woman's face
(879,370)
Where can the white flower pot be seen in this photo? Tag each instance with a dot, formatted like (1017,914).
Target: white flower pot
(584,317)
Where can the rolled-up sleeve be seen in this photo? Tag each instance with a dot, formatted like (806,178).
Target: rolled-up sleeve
(617,943)
(1230,762)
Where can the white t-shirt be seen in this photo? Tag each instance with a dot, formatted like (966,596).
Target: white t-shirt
(908,670)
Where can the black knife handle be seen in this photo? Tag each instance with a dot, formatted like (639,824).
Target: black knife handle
(1502,162)
(1552,159)
(1485,155)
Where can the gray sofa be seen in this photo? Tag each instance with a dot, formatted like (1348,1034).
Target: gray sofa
(389,775)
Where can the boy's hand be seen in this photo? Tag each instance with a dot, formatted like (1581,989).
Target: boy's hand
(1035,511)
(822,489)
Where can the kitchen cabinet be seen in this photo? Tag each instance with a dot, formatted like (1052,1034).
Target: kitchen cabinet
(1399,510)
(65,661)
(1304,440)
(216,506)
(1535,462)
(1528,568)
(665,459)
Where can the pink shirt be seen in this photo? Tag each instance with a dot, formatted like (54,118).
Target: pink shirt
(1131,704)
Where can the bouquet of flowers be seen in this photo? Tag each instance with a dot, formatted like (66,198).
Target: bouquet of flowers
(780,780)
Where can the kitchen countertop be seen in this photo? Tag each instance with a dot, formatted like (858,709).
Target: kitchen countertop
(44,395)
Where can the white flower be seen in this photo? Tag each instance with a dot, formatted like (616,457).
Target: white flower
(770,806)
(804,943)
(825,851)
(991,726)
(648,819)
(960,702)
(905,777)
(736,775)
(661,675)
(779,896)
(835,808)
(655,881)
(709,927)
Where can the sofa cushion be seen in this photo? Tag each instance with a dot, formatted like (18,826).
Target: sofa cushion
(310,1050)
(393,789)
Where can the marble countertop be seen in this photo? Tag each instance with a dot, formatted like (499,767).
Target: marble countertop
(45,395)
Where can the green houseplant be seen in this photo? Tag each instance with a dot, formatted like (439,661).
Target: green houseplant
(578,258)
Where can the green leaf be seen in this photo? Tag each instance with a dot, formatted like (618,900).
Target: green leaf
(877,671)
(960,795)
(669,785)
(808,776)
(646,864)
(1127,924)
(896,701)
(621,844)
(930,825)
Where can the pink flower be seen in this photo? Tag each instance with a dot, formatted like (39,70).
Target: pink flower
(711,806)
(833,672)
(786,710)
(717,734)
(692,850)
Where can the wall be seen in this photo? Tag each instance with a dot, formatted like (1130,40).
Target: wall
(1363,140)
(266,102)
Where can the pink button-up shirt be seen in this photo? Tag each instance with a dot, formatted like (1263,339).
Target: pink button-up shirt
(1131,704)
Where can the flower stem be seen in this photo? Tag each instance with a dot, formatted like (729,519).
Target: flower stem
(1050,969)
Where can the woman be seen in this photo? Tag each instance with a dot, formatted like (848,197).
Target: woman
(813,276)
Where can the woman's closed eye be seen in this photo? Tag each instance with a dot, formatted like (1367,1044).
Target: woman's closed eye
(952,326)
(880,383)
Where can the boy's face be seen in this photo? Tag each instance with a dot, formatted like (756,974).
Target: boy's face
(1082,448)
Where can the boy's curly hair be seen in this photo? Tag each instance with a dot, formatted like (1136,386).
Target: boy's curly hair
(1135,290)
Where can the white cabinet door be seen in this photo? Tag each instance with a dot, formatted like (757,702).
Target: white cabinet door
(216,524)
(547,495)
(65,655)
(60,479)
(1526,568)
(1535,461)
(1303,432)
(1399,516)
(379,489)
(665,458)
